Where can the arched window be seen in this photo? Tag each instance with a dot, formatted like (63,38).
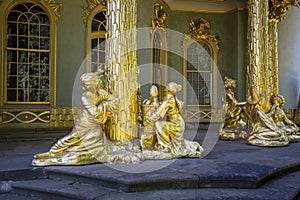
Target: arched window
(200,83)
(98,28)
(28,60)
(96,34)
(27,55)
(158,70)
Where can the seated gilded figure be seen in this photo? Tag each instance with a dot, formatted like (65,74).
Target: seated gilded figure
(170,132)
(281,120)
(87,142)
(246,121)
(233,113)
(263,131)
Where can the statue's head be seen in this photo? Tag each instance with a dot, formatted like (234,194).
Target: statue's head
(89,80)
(153,91)
(173,87)
(229,83)
(277,98)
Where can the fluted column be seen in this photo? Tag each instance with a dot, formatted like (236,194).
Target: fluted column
(122,67)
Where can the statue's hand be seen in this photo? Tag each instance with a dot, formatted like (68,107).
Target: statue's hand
(147,121)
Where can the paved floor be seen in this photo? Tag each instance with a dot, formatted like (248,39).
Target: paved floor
(223,160)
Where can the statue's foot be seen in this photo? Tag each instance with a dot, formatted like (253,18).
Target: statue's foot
(42,155)
(294,137)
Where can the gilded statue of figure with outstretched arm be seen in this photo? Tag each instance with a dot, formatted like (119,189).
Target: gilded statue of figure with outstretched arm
(281,120)
(233,113)
(86,143)
(170,133)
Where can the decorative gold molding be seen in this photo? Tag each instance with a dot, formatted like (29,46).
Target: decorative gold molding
(213,115)
(1,2)
(202,31)
(92,4)
(25,117)
(160,17)
(278,8)
(62,116)
(54,6)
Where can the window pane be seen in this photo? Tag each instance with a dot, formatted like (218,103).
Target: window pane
(12,95)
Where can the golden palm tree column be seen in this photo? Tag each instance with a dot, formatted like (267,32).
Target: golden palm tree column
(273,56)
(122,68)
(277,11)
(257,68)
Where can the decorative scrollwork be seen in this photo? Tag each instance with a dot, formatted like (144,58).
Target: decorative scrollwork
(202,31)
(92,4)
(160,17)
(54,6)
(277,9)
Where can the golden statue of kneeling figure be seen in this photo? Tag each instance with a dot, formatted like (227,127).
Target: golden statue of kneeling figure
(170,132)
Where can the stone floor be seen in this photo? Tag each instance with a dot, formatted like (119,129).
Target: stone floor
(228,170)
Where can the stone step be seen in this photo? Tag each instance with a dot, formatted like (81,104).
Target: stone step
(283,188)
(32,134)
(59,189)
(10,196)
(181,174)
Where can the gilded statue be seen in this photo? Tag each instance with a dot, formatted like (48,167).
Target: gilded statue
(170,132)
(148,136)
(160,17)
(263,130)
(233,113)
(281,120)
(87,142)
(246,121)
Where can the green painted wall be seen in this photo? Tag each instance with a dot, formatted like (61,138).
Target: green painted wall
(71,48)
(289,52)
(231,28)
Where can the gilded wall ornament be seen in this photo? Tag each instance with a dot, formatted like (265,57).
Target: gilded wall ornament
(92,4)
(277,9)
(54,6)
(297,3)
(202,31)
(160,17)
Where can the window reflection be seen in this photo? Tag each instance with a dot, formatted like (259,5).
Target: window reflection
(28,54)
(199,74)
(98,28)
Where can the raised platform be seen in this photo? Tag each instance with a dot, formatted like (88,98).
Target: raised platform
(232,170)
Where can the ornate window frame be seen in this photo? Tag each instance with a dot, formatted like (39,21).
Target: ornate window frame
(50,8)
(201,34)
(93,8)
(27,112)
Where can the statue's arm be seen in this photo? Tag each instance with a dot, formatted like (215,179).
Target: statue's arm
(88,104)
(159,113)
